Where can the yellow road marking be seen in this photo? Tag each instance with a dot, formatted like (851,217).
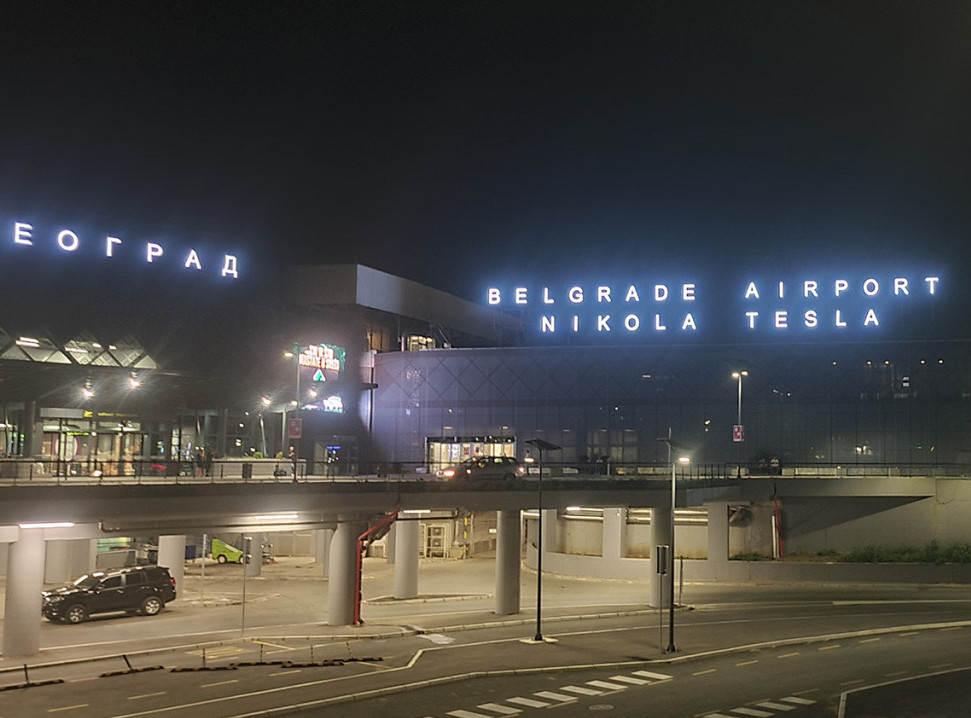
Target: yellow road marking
(746,663)
(274,645)
(788,655)
(829,648)
(146,695)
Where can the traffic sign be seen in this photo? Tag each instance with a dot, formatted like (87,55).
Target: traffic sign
(738,433)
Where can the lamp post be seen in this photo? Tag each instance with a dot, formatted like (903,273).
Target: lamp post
(674,494)
(738,433)
(264,404)
(541,445)
(284,434)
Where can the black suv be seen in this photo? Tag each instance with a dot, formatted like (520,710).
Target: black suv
(135,589)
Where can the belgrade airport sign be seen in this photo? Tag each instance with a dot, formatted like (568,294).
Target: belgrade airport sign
(685,309)
(65,241)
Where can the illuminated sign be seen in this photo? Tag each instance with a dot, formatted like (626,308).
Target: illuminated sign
(839,303)
(334,404)
(23,234)
(323,357)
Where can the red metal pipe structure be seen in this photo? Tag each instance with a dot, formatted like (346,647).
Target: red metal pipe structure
(380,526)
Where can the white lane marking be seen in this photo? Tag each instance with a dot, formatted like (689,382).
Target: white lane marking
(528,702)
(555,696)
(580,690)
(67,708)
(220,683)
(606,685)
(775,706)
(285,673)
(146,695)
(752,712)
(655,676)
(798,701)
(467,714)
(628,679)
(500,709)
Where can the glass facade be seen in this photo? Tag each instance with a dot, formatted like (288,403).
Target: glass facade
(832,404)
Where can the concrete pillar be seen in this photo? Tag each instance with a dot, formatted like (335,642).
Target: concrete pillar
(614,535)
(171,554)
(254,565)
(408,534)
(660,535)
(717,540)
(25,581)
(509,541)
(342,566)
(322,539)
(389,543)
(57,562)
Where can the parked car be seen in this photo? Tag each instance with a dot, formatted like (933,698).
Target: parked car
(485,467)
(135,589)
(224,552)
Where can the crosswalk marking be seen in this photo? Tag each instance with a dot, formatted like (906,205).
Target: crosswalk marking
(500,709)
(752,712)
(797,700)
(607,685)
(581,690)
(528,702)
(628,679)
(554,696)
(775,706)
(467,714)
(655,676)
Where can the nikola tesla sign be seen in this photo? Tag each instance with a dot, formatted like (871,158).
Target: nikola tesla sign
(797,306)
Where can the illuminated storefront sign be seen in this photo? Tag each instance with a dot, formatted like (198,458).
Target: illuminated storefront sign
(686,309)
(323,357)
(24,235)
(334,404)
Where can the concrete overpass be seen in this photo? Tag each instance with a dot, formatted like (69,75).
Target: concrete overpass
(31,516)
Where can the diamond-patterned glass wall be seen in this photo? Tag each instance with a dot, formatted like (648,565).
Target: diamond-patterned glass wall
(806,404)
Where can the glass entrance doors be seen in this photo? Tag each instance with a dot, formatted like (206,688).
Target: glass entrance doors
(445,451)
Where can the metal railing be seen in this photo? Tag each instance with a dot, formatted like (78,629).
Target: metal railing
(46,471)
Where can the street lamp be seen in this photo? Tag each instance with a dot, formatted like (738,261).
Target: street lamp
(738,432)
(541,445)
(683,460)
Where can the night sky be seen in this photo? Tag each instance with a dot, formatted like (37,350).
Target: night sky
(464,143)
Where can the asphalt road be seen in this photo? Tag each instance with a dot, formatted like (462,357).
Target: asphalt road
(741,645)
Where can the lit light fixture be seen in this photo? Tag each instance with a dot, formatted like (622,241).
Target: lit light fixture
(86,391)
(288,354)
(133,381)
(278,517)
(266,400)
(28,342)
(684,460)
(48,525)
